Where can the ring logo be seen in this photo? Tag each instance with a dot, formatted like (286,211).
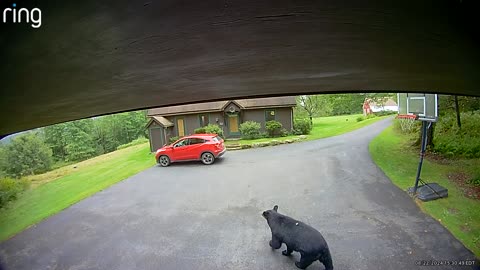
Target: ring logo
(23,15)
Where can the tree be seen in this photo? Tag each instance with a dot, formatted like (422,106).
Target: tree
(103,135)
(381,98)
(80,145)
(55,138)
(314,105)
(309,104)
(3,163)
(346,103)
(27,154)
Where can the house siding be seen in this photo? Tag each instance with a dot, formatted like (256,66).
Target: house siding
(282,115)
(192,122)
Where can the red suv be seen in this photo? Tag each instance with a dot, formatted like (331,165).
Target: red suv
(203,147)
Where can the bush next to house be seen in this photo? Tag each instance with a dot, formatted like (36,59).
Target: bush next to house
(173,139)
(250,130)
(11,188)
(200,130)
(214,129)
(302,126)
(273,128)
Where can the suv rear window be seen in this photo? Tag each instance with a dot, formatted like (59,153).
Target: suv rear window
(196,141)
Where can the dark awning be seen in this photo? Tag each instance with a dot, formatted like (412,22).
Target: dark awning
(97,57)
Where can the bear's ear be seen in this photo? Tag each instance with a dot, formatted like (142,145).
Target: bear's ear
(275,208)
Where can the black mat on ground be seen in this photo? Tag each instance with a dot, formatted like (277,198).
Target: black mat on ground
(430,191)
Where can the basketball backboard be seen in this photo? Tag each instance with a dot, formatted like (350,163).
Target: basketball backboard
(425,106)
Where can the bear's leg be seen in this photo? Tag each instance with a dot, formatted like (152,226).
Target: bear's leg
(275,243)
(287,252)
(305,261)
(326,259)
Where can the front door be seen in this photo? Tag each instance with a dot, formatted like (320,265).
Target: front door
(180,127)
(233,125)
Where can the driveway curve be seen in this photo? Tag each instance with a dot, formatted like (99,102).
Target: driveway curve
(191,216)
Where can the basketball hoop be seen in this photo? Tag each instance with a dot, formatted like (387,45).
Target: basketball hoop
(407,122)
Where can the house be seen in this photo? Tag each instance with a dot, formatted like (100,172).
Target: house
(167,122)
(370,106)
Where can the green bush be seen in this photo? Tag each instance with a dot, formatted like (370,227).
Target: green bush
(451,141)
(200,130)
(273,128)
(25,155)
(132,143)
(410,126)
(214,129)
(302,126)
(250,130)
(384,113)
(173,139)
(360,119)
(284,132)
(11,188)
(372,115)
(475,181)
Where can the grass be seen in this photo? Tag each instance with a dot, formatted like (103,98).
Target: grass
(322,127)
(48,197)
(459,214)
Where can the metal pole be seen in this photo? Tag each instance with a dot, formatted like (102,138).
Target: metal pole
(422,154)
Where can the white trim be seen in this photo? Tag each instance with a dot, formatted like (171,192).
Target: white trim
(417,98)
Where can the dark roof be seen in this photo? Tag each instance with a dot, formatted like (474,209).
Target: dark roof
(256,103)
(164,122)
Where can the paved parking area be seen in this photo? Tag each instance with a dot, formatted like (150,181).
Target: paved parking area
(192,216)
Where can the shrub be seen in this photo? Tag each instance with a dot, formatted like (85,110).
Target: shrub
(284,132)
(250,130)
(27,154)
(173,139)
(383,113)
(372,115)
(200,130)
(454,142)
(409,126)
(214,129)
(360,119)
(132,143)
(302,126)
(475,180)
(273,128)
(11,188)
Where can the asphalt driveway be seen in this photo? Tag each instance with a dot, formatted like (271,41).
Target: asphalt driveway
(191,216)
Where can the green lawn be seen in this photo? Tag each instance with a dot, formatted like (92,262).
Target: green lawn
(323,127)
(88,178)
(459,214)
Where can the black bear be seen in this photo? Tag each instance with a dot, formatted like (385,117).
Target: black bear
(299,237)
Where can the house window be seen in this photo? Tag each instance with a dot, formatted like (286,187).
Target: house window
(269,115)
(203,120)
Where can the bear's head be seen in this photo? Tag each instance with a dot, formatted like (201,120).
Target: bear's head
(268,213)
